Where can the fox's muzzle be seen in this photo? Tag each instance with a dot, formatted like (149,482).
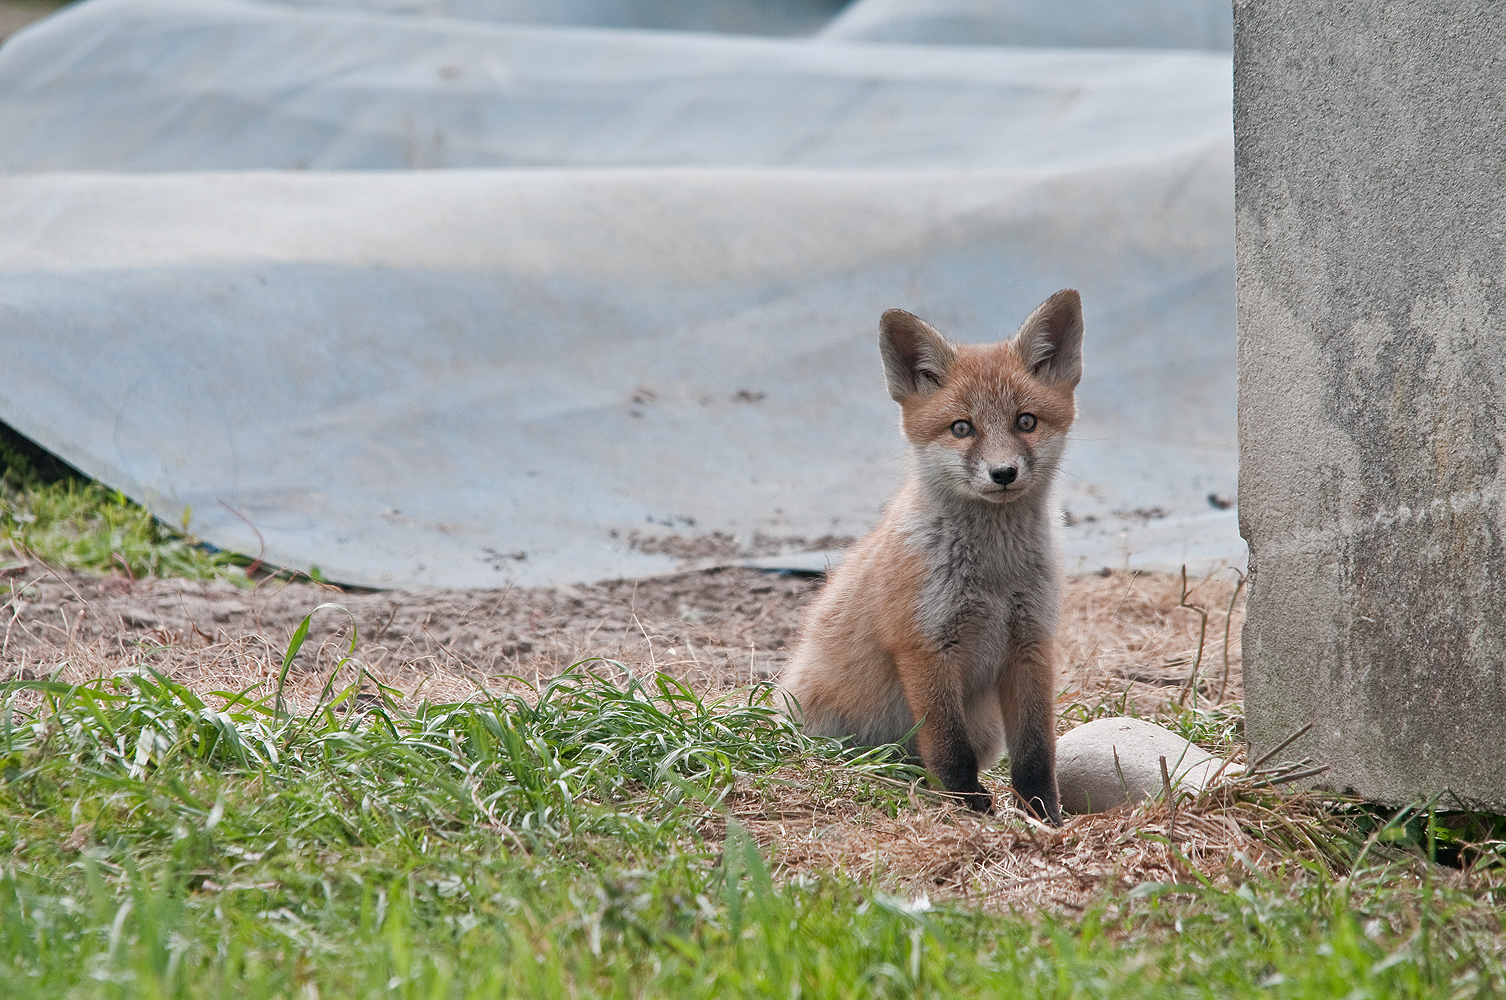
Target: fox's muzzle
(1004,474)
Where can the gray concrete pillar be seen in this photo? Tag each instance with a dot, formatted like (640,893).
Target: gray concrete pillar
(1370,166)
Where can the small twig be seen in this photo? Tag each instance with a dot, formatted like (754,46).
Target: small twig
(1284,766)
(1282,746)
(385,626)
(1298,776)
(1228,626)
(1118,770)
(1171,822)
(1201,636)
(116,557)
(257,562)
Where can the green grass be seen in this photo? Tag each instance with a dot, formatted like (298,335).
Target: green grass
(573,844)
(50,512)
(86,526)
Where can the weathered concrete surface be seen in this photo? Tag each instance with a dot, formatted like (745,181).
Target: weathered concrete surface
(1371,216)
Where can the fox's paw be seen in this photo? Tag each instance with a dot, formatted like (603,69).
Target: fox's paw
(980,802)
(1042,808)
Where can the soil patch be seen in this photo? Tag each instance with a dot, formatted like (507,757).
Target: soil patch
(1128,639)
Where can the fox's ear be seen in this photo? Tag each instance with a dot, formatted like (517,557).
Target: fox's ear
(916,357)
(1050,341)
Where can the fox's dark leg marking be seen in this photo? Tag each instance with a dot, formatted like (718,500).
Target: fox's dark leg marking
(1027,704)
(948,754)
(944,747)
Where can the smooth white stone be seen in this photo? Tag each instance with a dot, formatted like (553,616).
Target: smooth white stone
(1090,778)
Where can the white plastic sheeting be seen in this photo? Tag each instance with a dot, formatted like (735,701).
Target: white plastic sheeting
(223,85)
(758,17)
(1152,24)
(645,305)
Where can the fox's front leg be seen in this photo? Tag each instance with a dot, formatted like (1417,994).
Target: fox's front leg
(935,700)
(1027,702)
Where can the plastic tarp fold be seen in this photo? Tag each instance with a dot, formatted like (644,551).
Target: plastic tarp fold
(1152,24)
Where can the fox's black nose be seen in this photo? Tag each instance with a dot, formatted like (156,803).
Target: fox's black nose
(1003,474)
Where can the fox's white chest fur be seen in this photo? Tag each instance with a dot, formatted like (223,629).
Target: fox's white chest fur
(992,574)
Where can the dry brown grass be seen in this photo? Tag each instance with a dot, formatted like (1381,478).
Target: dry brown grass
(819,822)
(1134,638)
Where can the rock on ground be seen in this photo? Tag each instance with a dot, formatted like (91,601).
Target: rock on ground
(1108,762)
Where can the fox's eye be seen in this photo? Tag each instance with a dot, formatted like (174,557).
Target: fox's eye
(1025,422)
(962,429)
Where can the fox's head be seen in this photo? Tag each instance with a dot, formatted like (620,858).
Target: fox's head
(987,421)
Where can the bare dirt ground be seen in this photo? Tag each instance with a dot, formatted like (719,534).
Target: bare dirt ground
(1128,639)
(1129,643)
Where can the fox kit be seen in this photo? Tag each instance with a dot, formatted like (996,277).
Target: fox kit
(946,614)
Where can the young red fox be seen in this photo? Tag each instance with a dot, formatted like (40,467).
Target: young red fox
(947,613)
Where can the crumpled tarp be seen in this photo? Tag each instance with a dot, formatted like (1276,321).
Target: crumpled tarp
(1153,24)
(757,17)
(632,322)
